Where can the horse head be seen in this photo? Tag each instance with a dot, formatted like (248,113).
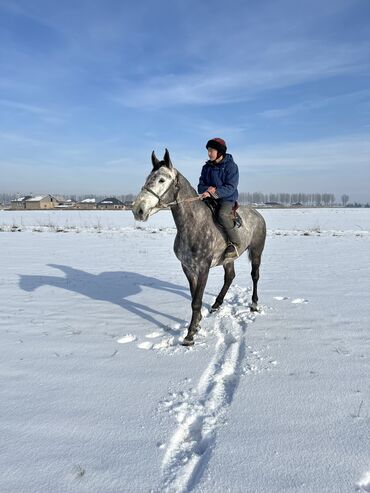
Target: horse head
(159,188)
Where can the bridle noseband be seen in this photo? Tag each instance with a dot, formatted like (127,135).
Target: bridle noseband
(159,197)
(153,193)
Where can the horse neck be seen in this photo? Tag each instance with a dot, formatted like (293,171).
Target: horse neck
(187,214)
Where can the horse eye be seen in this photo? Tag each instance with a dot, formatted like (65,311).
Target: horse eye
(161,180)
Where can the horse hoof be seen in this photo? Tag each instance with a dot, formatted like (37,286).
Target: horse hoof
(187,342)
(253,307)
(215,307)
(189,338)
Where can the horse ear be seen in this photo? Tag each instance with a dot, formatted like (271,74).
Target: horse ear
(155,161)
(167,159)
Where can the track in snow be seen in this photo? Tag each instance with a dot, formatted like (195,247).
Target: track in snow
(364,484)
(202,410)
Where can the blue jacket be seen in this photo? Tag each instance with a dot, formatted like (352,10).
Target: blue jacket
(224,176)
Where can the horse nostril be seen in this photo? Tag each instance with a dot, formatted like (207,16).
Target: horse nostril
(141,212)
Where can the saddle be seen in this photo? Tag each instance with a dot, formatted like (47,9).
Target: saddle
(213,205)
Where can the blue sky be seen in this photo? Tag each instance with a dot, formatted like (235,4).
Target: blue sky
(89,88)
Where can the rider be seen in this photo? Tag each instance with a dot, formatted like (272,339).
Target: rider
(219,180)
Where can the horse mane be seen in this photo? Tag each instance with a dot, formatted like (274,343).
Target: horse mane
(182,181)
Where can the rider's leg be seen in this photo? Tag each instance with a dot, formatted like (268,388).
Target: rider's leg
(225,218)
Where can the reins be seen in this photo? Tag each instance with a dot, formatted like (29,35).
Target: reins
(176,202)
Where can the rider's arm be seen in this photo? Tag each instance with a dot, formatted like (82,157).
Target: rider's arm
(202,186)
(230,183)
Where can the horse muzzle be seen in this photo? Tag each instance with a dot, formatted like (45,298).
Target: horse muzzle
(140,212)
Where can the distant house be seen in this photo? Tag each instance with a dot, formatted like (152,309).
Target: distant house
(128,204)
(19,203)
(67,204)
(86,204)
(110,203)
(41,202)
(273,204)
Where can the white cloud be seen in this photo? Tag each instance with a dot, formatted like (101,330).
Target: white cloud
(314,104)
(24,107)
(16,138)
(281,66)
(352,151)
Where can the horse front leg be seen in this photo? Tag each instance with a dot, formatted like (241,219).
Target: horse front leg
(192,279)
(228,279)
(196,306)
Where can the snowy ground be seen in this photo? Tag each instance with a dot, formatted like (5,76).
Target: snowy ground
(97,395)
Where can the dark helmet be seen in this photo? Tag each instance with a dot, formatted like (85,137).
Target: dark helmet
(218,144)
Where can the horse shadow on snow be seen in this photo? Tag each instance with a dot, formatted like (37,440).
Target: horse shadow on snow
(113,287)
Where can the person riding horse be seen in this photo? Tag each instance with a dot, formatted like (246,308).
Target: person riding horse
(199,242)
(219,180)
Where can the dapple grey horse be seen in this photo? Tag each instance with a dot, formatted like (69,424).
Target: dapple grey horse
(200,243)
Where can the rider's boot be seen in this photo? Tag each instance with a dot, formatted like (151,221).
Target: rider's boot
(233,248)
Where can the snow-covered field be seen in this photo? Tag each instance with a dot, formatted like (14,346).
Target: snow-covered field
(97,395)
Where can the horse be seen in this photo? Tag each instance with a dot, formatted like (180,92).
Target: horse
(200,242)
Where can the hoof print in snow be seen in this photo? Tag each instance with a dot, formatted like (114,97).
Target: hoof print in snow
(78,472)
(153,335)
(299,300)
(126,339)
(364,484)
(145,345)
(199,412)
(356,415)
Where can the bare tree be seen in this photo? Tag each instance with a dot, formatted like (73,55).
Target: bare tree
(345,199)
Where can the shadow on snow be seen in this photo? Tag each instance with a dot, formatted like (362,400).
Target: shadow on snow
(113,287)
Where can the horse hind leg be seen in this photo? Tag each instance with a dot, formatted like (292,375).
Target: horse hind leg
(255,258)
(228,279)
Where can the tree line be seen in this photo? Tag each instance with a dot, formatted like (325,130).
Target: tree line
(308,199)
(247,198)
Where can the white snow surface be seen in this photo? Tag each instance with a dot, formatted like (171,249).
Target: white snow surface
(98,396)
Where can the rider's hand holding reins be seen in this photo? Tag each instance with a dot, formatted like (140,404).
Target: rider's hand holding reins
(211,192)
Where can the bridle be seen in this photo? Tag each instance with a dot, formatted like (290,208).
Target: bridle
(146,189)
(164,205)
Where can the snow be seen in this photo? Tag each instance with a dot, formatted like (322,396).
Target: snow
(127,338)
(97,395)
(36,199)
(364,484)
(88,201)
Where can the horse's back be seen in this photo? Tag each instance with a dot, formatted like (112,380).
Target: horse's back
(254,226)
